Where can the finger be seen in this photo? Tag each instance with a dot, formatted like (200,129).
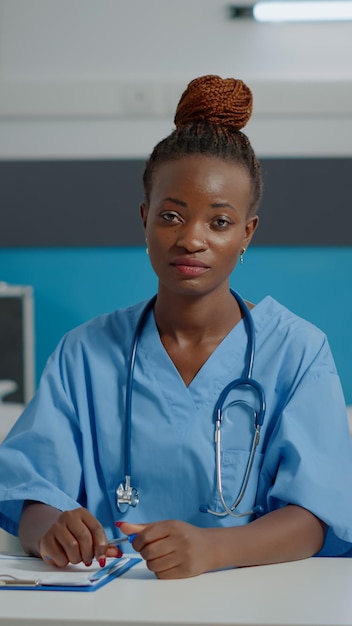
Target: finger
(74,535)
(172,565)
(91,537)
(133,529)
(114,551)
(164,565)
(160,555)
(129,529)
(172,574)
(100,543)
(75,543)
(150,541)
(53,553)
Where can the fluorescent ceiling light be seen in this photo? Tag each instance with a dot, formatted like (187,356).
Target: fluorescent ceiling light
(302,11)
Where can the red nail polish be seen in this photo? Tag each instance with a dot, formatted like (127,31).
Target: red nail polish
(88,564)
(119,554)
(102,561)
(118,524)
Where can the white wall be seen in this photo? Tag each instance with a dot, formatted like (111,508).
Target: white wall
(102,77)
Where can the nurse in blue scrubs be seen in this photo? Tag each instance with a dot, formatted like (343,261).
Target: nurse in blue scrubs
(63,460)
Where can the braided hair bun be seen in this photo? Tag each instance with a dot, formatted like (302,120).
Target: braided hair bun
(214,100)
(209,118)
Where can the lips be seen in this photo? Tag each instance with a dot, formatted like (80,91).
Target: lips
(189,262)
(189,266)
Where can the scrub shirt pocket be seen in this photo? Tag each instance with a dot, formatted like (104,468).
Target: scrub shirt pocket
(233,469)
(236,440)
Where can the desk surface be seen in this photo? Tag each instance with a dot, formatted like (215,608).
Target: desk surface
(313,592)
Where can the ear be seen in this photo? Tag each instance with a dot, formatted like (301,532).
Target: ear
(251,227)
(143,209)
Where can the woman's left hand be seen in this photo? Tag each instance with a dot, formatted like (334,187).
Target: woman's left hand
(172,549)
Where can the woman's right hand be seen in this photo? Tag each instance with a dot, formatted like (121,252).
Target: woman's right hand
(65,537)
(75,537)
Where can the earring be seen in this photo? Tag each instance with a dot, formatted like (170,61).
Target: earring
(242,255)
(147,251)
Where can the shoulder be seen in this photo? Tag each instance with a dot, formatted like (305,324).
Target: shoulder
(270,315)
(287,333)
(107,331)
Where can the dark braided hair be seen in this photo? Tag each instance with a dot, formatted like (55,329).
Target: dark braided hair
(208,119)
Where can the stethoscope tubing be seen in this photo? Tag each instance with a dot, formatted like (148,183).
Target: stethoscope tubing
(129,384)
(235,384)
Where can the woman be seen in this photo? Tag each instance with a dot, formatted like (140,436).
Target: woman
(66,455)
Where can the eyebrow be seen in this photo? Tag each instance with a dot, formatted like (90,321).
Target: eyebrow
(175,201)
(223,205)
(214,205)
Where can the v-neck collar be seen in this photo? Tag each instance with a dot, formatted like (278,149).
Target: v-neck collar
(226,363)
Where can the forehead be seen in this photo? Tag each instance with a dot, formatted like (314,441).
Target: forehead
(201,174)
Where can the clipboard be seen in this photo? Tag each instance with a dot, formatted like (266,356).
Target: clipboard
(31,573)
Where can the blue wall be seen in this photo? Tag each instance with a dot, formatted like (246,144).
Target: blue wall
(73,285)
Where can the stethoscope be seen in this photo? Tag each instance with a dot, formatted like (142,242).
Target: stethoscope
(126,495)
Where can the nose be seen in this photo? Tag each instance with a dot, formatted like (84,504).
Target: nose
(192,237)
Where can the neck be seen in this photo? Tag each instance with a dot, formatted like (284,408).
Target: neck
(209,316)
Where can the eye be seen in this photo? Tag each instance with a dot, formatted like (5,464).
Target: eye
(170,216)
(221,223)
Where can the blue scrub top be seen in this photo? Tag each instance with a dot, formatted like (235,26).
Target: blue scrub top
(67,448)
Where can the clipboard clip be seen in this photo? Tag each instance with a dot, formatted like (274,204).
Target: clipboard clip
(7,580)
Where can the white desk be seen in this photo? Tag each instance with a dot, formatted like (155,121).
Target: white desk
(313,592)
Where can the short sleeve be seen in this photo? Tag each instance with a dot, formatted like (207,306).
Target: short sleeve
(308,459)
(41,457)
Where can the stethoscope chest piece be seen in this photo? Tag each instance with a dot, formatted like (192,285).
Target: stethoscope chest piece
(126,496)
